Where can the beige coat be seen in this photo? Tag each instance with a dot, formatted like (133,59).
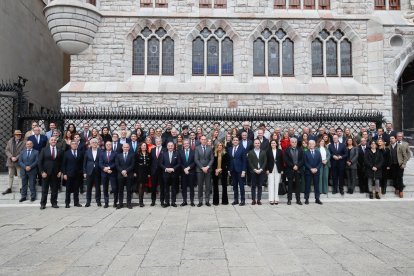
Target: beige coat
(13,150)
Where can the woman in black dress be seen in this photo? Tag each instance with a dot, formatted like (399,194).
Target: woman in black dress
(143,170)
(220,171)
(373,168)
(385,166)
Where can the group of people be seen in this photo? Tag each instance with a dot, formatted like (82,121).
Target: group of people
(139,161)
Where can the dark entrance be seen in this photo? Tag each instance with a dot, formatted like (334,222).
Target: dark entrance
(404,102)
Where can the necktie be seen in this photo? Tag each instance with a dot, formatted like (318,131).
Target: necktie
(158,151)
(125,156)
(53,153)
(336,146)
(37,139)
(186,155)
(114,146)
(74,154)
(108,154)
(28,153)
(204,150)
(170,154)
(234,151)
(134,146)
(312,153)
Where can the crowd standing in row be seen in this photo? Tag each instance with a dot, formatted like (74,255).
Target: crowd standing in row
(141,161)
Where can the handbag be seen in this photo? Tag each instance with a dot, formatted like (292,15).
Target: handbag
(282,188)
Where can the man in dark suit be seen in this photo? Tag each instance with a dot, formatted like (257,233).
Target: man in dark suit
(91,172)
(170,164)
(86,133)
(381,135)
(187,172)
(246,128)
(389,130)
(81,147)
(193,141)
(264,142)
(28,160)
(339,155)
(116,145)
(238,166)
(72,172)
(39,140)
(124,163)
(246,143)
(108,173)
(362,179)
(50,160)
(294,162)
(133,144)
(257,159)
(204,158)
(313,163)
(156,172)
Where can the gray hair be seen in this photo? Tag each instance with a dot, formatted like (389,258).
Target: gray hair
(94,140)
(293,139)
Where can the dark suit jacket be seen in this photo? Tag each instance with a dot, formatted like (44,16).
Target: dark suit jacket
(203,159)
(271,160)
(312,161)
(361,156)
(384,137)
(127,165)
(81,147)
(249,145)
(72,166)
(340,152)
(238,162)
(165,161)
(190,163)
(89,164)
(31,161)
(131,149)
(155,162)
(289,160)
(265,144)
(42,142)
(82,135)
(103,161)
(254,162)
(224,164)
(118,147)
(250,134)
(47,163)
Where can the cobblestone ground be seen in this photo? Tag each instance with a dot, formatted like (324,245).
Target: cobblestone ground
(338,238)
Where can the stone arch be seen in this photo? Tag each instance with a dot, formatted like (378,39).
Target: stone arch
(332,26)
(213,24)
(275,25)
(397,66)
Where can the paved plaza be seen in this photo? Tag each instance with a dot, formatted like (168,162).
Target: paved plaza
(350,238)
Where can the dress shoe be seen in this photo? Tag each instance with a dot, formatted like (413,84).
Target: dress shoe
(342,192)
(115,205)
(298,202)
(192,204)
(22,199)
(208,204)
(77,205)
(32,199)
(289,202)
(167,204)
(259,202)
(276,203)
(200,204)
(55,206)
(129,206)
(67,206)
(224,203)
(174,205)
(334,192)
(164,205)
(318,201)
(87,205)
(234,203)
(42,207)
(152,203)
(242,204)
(253,202)
(306,201)
(401,194)
(106,205)
(99,204)
(7,191)
(141,204)
(183,204)
(371,196)
(377,196)
(272,203)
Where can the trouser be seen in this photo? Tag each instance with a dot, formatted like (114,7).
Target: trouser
(204,184)
(294,178)
(323,179)
(51,181)
(338,176)
(397,177)
(169,187)
(273,185)
(72,186)
(187,180)
(13,171)
(124,182)
(374,185)
(157,179)
(216,194)
(140,190)
(29,179)
(257,184)
(105,179)
(309,178)
(237,182)
(351,178)
(90,180)
(362,180)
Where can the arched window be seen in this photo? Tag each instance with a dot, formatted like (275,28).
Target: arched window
(218,59)
(153,53)
(331,54)
(273,54)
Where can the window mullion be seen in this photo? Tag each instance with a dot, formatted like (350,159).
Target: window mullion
(205,57)
(266,57)
(324,56)
(160,61)
(339,62)
(280,58)
(219,56)
(145,56)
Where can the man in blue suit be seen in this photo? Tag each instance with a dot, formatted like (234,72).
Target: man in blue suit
(187,172)
(39,140)
(294,160)
(339,155)
(28,170)
(170,164)
(72,172)
(313,163)
(124,163)
(108,173)
(133,143)
(92,173)
(238,165)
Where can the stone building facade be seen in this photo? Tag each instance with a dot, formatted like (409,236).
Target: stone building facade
(101,42)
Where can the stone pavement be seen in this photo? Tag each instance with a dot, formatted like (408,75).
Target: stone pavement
(341,238)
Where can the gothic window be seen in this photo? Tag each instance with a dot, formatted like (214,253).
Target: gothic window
(273,54)
(212,53)
(153,53)
(331,54)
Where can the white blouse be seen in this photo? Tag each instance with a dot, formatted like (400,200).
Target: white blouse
(323,153)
